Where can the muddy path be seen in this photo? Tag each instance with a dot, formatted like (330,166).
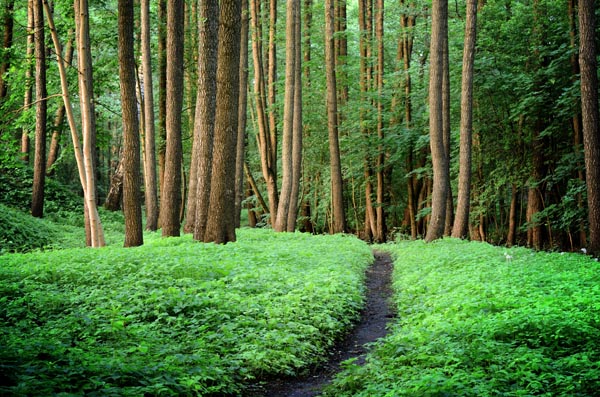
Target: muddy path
(372,325)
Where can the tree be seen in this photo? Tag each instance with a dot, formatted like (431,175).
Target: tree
(39,164)
(202,149)
(132,209)
(7,43)
(337,197)
(283,210)
(461,221)
(149,139)
(589,111)
(28,97)
(220,226)
(439,26)
(170,204)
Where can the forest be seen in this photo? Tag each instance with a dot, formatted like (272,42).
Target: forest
(380,119)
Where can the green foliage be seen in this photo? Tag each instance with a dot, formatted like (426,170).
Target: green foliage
(20,232)
(478,320)
(175,317)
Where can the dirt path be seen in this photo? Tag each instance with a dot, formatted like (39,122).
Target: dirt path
(372,325)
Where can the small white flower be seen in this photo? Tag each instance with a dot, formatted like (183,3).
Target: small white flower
(584,250)
(508,257)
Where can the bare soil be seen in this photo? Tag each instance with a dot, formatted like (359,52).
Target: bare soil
(371,326)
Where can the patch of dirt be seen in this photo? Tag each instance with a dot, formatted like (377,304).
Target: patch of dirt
(371,326)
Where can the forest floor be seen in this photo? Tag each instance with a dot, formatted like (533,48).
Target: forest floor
(371,326)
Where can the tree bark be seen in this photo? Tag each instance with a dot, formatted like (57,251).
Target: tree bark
(39,164)
(132,209)
(460,229)
(204,126)
(337,198)
(162,95)
(27,100)
(439,24)
(149,140)
(220,227)
(171,196)
(380,164)
(590,118)
(7,42)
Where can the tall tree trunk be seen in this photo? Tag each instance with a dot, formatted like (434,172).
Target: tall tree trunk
(7,42)
(280,223)
(268,153)
(28,97)
(171,196)
(162,95)
(242,110)
(220,227)
(297,128)
(95,237)
(439,27)
(149,140)
(589,111)
(204,126)
(380,165)
(447,139)
(512,216)
(202,147)
(460,228)
(132,209)
(337,198)
(39,164)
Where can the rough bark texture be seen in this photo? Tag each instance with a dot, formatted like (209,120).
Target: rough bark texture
(202,148)
(171,195)
(150,175)
(132,209)
(460,228)
(337,199)
(27,100)
(39,164)
(589,111)
(7,42)
(220,227)
(439,20)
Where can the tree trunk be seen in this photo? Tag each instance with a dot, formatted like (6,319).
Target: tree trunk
(204,125)
(149,140)
(280,223)
(39,164)
(27,100)
(162,95)
(132,209)
(243,107)
(115,190)
(589,111)
(337,198)
(220,227)
(380,224)
(439,24)
(460,228)
(171,196)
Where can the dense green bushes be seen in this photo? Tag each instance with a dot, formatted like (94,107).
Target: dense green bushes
(477,320)
(175,317)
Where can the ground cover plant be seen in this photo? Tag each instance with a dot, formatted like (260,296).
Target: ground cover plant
(478,320)
(175,317)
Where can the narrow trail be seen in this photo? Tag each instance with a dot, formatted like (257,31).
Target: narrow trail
(371,326)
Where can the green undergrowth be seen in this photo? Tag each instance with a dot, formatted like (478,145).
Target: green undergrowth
(477,320)
(175,317)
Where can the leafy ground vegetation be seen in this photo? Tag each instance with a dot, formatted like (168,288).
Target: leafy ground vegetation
(478,320)
(175,317)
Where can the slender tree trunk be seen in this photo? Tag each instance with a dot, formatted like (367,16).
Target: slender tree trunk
(447,139)
(512,217)
(150,176)
(171,195)
(59,117)
(460,228)
(220,227)
(132,209)
(243,107)
(380,226)
(589,111)
(162,95)
(39,164)
(204,126)
(28,79)
(337,198)
(280,223)
(439,24)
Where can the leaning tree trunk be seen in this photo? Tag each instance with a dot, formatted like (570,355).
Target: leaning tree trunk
(39,164)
